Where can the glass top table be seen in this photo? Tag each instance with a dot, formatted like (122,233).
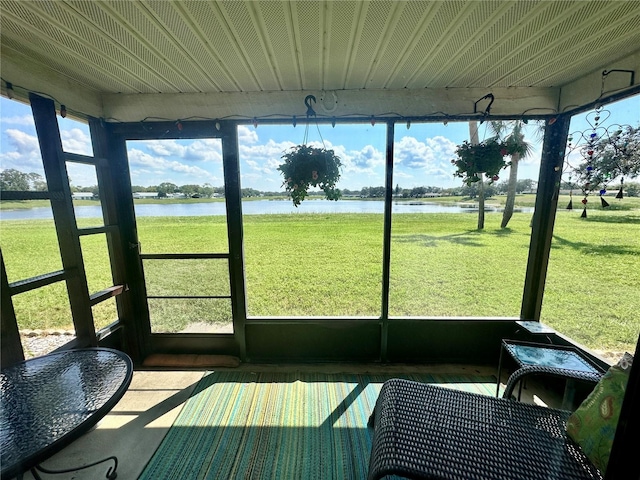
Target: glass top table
(559,358)
(48,402)
(547,356)
(535,327)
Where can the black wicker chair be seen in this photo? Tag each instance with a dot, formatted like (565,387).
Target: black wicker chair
(423,431)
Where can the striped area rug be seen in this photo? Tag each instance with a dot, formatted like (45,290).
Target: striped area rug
(242,425)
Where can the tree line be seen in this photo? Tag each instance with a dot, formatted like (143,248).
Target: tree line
(471,191)
(15,180)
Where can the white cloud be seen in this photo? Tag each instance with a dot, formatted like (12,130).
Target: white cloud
(442,146)
(424,163)
(204,150)
(76,141)
(23,153)
(364,160)
(26,120)
(434,152)
(22,141)
(246,135)
(138,157)
(168,170)
(164,148)
(264,158)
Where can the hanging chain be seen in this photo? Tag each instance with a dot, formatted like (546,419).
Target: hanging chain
(311,113)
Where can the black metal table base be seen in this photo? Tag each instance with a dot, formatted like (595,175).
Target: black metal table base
(111,473)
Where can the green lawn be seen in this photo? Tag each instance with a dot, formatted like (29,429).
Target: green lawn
(331,264)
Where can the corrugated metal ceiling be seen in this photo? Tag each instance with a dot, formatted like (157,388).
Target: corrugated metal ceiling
(132,47)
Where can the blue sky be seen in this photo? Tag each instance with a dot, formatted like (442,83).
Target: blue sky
(422,154)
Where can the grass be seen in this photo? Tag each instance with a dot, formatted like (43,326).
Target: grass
(331,265)
(593,278)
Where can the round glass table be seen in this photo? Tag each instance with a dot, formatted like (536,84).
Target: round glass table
(48,402)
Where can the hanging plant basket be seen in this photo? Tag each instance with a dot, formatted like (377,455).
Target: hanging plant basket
(305,167)
(483,158)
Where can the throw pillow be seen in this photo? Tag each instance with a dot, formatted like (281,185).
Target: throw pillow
(593,424)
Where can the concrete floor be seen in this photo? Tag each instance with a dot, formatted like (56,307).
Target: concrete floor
(135,427)
(132,430)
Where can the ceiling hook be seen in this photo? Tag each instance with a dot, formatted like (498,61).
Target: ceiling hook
(488,109)
(307,102)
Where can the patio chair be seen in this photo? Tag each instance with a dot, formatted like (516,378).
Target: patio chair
(429,432)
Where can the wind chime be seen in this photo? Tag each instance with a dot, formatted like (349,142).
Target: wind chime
(590,143)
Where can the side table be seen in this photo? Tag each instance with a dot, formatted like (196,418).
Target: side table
(565,362)
(535,328)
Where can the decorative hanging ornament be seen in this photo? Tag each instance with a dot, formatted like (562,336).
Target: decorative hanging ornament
(594,175)
(620,194)
(570,205)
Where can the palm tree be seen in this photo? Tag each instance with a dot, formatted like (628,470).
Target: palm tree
(474,140)
(518,149)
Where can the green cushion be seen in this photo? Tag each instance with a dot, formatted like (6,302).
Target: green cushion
(593,424)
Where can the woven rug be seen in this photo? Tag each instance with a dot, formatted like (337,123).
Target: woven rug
(241,425)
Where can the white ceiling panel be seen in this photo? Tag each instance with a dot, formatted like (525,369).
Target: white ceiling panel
(217,49)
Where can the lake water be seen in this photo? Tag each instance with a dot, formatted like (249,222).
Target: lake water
(255,207)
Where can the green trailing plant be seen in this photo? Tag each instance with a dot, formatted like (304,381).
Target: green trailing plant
(486,158)
(305,167)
